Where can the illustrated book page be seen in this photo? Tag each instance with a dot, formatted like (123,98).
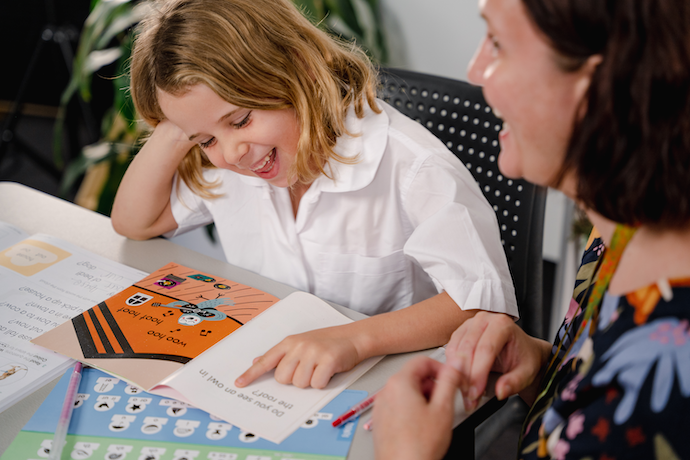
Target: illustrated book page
(152,328)
(44,282)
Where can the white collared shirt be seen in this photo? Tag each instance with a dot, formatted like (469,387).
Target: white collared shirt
(403,223)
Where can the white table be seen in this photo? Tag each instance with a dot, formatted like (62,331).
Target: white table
(37,212)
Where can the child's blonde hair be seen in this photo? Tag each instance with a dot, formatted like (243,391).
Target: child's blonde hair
(256,54)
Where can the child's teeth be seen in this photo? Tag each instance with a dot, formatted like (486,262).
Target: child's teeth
(268,157)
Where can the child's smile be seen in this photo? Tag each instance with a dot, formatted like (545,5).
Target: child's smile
(259,143)
(266,165)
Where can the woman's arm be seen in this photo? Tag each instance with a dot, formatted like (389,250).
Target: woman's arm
(312,358)
(142,205)
(413,414)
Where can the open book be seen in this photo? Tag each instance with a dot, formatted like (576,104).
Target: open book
(188,335)
(45,281)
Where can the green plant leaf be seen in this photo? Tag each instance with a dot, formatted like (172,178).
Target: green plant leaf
(368,24)
(344,9)
(107,19)
(122,21)
(74,170)
(101,58)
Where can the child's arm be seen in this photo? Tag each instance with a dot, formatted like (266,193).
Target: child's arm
(312,358)
(142,205)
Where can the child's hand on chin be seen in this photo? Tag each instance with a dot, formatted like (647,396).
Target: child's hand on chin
(172,133)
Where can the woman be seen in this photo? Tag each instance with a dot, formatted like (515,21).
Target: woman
(596,101)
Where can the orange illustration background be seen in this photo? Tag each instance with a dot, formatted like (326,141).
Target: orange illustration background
(148,330)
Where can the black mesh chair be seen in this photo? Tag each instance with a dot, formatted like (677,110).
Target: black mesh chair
(456,112)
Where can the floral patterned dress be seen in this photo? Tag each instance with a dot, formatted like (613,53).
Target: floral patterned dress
(623,390)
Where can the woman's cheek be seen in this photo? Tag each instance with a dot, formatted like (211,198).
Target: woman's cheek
(509,159)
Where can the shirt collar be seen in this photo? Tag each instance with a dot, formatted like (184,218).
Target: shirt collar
(365,145)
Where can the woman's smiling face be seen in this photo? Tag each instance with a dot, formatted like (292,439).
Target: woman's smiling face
(259,143)
(537,100)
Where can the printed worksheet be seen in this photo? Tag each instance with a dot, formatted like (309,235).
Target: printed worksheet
(113,420)
(44,282)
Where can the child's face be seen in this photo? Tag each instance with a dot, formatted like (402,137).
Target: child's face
(260,143)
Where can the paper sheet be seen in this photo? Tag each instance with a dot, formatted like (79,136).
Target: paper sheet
(266,407)
(44,282)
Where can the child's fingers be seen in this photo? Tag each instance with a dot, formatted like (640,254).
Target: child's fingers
(261,365)
(285,369)
(301,375)
(322,375)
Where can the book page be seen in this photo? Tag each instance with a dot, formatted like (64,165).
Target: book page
(44,282)
(265,408)
(150,329)
(10,234)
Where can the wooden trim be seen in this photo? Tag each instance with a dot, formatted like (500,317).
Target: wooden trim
(34,110)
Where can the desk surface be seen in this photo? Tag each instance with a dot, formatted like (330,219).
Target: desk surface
(37,212)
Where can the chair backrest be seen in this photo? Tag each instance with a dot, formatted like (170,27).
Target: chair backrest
(457,113)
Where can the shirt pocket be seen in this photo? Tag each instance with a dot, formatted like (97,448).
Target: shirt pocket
(369,285)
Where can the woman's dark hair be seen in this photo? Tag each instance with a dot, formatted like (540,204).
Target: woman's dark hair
(631,150)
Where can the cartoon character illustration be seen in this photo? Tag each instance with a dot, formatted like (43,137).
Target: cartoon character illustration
(193,314)
(11,371)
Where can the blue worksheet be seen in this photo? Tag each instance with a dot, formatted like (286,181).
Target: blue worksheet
(113,420)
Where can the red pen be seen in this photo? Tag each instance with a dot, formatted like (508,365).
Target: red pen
(355,410)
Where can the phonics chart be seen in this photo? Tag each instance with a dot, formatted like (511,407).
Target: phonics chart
(113,420)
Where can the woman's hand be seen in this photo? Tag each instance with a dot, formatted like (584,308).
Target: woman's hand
(308,359)
(493,342)
(413,414)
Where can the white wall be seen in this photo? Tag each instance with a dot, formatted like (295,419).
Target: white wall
(432,36)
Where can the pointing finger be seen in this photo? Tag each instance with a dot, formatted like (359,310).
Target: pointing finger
(261,365)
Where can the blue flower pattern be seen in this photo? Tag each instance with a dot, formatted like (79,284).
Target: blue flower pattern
(630,359)
(627,392)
